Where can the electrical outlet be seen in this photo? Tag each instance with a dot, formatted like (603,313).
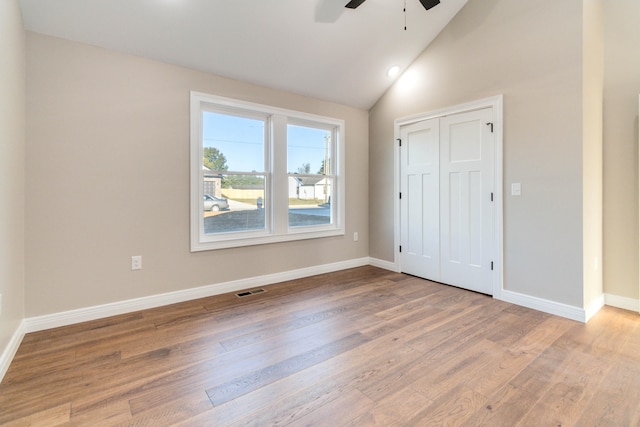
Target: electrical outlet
(355,236)
(136,262)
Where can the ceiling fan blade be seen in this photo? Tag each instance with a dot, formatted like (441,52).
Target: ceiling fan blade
(355,3)
(428,4)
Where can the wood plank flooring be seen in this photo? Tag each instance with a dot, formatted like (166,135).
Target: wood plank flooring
(360,347)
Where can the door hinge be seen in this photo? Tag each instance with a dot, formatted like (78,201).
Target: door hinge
(491,265)
(492,197)
(400,248)
(399,142)
(401,195)
(491,125)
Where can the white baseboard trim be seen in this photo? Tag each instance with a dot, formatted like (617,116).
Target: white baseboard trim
(387,265)
(547,306)
(11,349)
(70,317)
(622,302)
(551,307)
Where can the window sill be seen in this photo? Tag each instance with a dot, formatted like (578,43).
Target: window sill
(235,241)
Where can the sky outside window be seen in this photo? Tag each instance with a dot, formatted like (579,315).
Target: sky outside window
(306,145)
(241,140)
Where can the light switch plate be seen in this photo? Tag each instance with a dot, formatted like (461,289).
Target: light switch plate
(516,189)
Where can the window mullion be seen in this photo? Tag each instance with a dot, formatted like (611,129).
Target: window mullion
(279,177)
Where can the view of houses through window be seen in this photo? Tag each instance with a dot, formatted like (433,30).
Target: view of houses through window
(309,173)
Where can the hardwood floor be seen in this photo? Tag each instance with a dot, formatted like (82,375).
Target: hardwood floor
(359,347)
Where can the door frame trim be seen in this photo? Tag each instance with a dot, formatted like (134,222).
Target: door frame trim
(494,102)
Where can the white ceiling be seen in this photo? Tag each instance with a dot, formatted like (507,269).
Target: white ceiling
(310,47)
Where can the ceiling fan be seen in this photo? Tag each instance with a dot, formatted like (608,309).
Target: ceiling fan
(427,4)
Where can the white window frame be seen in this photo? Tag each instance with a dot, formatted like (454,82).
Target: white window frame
(276,187)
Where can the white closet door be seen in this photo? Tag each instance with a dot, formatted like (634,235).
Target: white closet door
(466,206)
(447,207)
(419,185)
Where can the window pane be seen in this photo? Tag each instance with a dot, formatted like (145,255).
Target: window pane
(234,203)
(309,201)
(308,150)
(232,143)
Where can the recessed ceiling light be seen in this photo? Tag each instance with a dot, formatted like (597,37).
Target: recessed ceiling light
(393,70)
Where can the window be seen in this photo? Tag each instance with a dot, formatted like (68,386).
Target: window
(261,174)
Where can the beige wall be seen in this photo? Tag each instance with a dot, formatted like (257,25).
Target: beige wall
(532,53)
(622,86)
(12,148)
(108,178)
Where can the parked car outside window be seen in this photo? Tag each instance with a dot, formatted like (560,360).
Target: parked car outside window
(213,203)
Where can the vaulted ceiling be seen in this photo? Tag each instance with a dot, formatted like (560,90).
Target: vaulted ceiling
(310,47)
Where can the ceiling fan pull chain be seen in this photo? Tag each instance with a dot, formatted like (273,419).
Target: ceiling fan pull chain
(405,15)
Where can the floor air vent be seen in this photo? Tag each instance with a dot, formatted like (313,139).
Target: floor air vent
(247,293)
